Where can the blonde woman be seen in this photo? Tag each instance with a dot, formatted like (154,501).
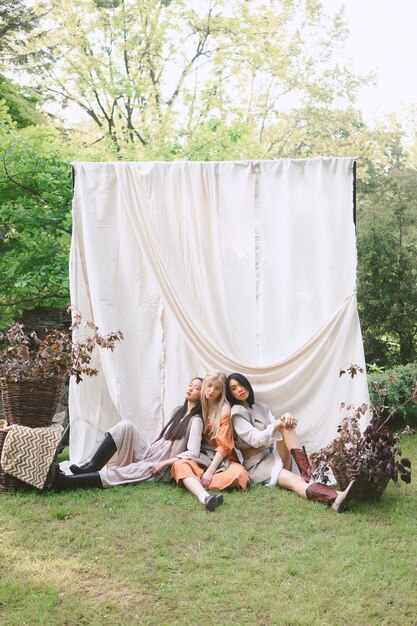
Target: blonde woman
(217,466)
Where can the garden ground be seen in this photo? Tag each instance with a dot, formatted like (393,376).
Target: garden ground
(150,554)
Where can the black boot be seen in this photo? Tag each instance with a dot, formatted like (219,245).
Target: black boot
(65,482)
(103,454)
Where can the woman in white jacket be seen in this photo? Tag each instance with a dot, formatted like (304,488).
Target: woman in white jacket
(268,446)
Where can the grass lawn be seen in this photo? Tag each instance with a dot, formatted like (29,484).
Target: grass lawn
(150,554)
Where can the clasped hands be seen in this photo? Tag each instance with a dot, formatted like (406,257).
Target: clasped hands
(286,421)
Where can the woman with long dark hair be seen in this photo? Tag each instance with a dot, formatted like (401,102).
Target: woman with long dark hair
(269,445)
(217,466)
(135,459)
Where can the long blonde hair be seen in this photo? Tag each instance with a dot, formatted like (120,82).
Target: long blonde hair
(213,377)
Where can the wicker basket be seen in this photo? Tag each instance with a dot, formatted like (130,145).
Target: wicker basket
(30,402)
(366,491)
(8,482)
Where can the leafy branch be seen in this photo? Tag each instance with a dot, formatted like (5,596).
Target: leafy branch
(372,456)
(25,356)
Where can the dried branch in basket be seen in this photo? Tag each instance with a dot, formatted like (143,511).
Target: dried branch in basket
(25,356)
(373,455)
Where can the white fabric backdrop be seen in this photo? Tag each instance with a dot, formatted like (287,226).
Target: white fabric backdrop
(240,266)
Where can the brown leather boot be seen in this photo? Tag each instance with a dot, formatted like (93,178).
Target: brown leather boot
(301,460)
(338,501)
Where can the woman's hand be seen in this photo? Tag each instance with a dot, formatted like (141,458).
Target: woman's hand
(157,467)
(206,478)
(278,426)
(289,421)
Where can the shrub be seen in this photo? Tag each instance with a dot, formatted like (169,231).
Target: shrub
(398,383)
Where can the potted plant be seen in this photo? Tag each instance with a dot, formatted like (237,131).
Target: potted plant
(373,456)
(32,369)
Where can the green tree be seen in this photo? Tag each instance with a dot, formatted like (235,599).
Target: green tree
(21,103)
(204,80)
(387,277)
(35,218)
(17,23)
(153,73)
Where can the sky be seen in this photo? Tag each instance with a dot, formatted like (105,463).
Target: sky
(383,38)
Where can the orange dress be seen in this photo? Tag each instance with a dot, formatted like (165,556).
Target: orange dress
(230,473)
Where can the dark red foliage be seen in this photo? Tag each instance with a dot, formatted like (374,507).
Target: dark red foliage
(24,356)
(370,455)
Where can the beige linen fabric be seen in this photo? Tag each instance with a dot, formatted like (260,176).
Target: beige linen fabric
(135,456)
(241,266)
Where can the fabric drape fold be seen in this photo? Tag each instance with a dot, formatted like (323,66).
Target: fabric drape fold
(241,266)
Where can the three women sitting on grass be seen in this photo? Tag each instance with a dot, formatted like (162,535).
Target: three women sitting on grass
(209,444)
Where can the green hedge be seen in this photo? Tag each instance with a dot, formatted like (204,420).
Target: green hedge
(398,382)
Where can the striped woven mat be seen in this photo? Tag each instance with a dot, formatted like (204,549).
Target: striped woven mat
(28,452)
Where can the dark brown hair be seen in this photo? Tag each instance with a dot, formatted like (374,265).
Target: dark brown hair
(242,380)
(177,426)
